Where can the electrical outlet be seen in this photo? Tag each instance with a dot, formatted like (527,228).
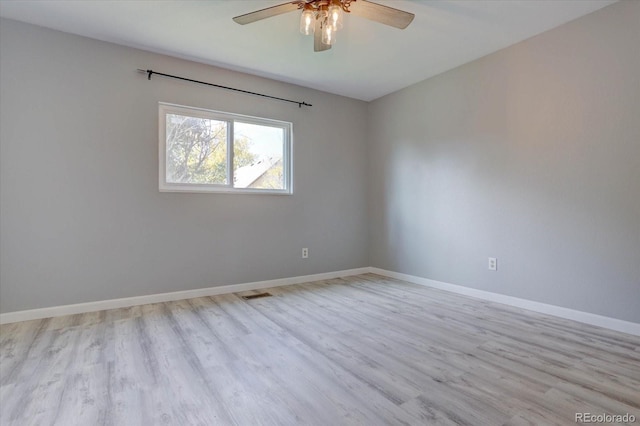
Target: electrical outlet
(493,264)
(305,253)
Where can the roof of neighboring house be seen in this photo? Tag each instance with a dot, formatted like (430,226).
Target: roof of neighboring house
(246,175)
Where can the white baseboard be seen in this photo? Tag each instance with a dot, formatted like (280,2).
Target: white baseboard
(80,308)
(558,311)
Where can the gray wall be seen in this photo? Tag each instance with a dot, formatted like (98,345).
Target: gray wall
(530,155)
(81,215)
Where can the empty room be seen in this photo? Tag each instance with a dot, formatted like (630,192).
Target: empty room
(319,212)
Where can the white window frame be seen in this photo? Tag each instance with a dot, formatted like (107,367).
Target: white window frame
(287,160)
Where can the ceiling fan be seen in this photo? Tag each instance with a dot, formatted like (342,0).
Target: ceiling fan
(323,18)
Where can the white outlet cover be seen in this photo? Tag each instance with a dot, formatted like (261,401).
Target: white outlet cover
(493,264)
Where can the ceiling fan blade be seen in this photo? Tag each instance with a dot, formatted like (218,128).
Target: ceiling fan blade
(248,18)
(383,14)
(318,45)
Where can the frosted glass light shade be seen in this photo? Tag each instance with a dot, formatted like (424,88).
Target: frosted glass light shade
(307,22)
(328,34)
(335,15)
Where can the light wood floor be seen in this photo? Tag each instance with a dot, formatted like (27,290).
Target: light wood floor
(363,350)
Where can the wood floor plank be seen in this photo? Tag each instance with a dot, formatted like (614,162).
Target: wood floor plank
(442,404)
(360,350)
(613,386)
(595,399)
(536,416)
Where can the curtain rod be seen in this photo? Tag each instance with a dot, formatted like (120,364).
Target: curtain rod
(151,72)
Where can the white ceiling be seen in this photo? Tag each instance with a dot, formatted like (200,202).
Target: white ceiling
(369,59)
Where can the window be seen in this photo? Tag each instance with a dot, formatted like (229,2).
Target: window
(211,151)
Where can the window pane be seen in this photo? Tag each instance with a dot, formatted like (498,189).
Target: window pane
(196,150)
(258,156)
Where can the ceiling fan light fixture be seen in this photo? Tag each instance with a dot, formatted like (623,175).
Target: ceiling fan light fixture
(322,18)
(307,20)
